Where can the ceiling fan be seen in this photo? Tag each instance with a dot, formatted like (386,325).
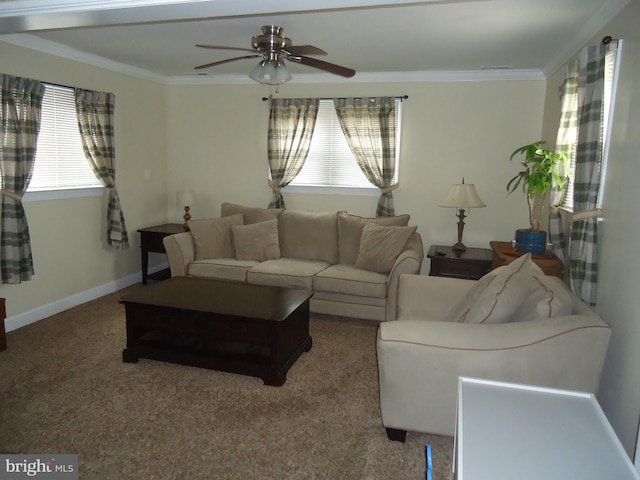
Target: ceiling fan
(274,48)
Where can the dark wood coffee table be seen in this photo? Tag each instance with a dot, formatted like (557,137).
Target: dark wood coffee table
(230,326)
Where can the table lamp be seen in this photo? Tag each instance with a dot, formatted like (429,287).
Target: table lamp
(186,199)
(461,196)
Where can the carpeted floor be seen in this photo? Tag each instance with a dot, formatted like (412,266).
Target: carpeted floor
(65,390)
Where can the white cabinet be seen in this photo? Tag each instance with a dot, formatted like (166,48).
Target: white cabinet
(507,431)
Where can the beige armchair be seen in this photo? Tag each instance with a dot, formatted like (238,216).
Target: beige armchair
(421,354)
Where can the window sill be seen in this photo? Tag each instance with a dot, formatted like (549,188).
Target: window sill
(316,190)
(570,214)
(44,195)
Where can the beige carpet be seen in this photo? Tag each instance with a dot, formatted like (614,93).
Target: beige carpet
(65,390)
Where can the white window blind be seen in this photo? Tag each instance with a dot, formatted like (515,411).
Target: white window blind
(330,162)
(612,66)
(60,162)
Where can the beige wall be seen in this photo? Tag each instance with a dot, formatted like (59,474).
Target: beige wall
(216,145)
(212,138)
(68,244)
(619,268)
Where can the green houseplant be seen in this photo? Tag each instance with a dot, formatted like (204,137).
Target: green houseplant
(540,172)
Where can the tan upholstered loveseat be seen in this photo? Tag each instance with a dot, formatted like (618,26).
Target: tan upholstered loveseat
(351,263)
(515,325)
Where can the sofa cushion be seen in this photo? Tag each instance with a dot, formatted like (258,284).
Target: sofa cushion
(350,232)
(349,280)
(258,241)
(380,246)
(250,214)
(309,235)
(497,295)
(338,305)
(549,297)
(286,272)
(221,268)
(212,237)
(346,299)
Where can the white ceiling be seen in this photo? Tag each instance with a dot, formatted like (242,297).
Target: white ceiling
(382,40)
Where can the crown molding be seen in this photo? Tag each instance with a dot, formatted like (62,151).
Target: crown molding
(29,15)
(371,77)
(483,75)
(52,48)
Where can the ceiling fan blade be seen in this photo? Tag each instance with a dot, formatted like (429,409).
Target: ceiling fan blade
(322,65)
(219,47)
(213,64)
(298,50)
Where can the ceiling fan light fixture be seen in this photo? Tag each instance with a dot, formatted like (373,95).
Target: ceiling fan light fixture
(271,72)
(274,48)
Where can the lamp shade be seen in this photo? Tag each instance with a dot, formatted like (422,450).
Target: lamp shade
(270,72)
(463,195)
(186,198)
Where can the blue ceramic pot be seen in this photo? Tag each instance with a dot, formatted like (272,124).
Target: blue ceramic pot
(528,241)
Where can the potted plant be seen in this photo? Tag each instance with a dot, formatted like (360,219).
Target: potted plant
(540,172)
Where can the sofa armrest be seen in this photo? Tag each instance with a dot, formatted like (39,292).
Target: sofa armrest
(408,262)
(181,251)
(429,297)
(420,361)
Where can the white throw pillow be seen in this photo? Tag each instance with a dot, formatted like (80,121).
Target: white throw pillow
(497,296)
(350,232)
(212,237)
(380,246)
(459,312)
(548,298)
(258,241)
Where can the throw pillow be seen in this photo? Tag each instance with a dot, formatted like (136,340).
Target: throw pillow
(258,241)
(212,237)
(549,298)
(380,246)
(251,214)
(309,235)
(459,312)
(350,231)
(498,294)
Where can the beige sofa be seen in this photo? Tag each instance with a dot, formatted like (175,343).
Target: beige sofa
(351,263)
(515,325)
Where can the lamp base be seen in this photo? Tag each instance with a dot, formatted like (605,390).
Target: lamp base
(459,247)
(186,217)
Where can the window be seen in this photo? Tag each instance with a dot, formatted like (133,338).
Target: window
(60,163)
(330,162)
(612,62)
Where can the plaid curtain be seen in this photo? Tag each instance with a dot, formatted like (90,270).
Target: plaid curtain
(21,103)
(369,124)
(565,143)
(95,121)
(291,125)
(583,264)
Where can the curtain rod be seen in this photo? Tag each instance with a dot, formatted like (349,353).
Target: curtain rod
(400,97)
(607,40)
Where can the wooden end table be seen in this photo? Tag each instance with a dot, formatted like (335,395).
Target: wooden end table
(471,264)
(151,241)
(504,254)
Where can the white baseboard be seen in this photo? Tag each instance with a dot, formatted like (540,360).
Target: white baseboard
(32,316)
